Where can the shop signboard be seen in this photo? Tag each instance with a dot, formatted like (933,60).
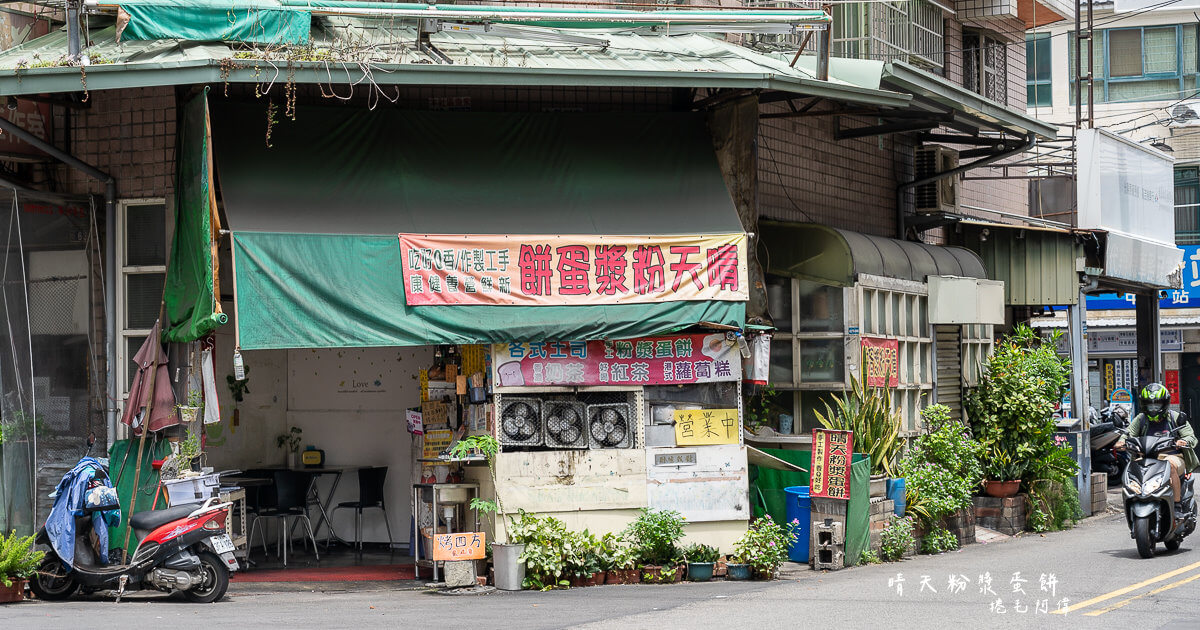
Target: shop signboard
(669,360)
(436,441)
(1171,382)
(462,546)
(831,454)
(881,361)
(1102,341)
(580,270)
(699,427)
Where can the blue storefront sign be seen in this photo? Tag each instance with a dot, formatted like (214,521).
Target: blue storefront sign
(1188,296)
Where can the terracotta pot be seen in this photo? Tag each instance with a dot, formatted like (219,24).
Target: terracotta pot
(595,579)
(14,593)
(577,581)
(680,573)
(651,574)
(614,576)
(633,576)
(1001,489)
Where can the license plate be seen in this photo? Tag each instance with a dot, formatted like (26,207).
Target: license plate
(222,544)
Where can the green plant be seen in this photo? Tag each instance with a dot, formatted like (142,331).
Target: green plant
(897,538)
(544,538)
(664,574)
(761,408)
(239,389)
(1055,505)
(194,398)
(189,448)
(21,425)
(582,554)
(698,553)
(937,540)
(869,557)
(942,468)
(869,413)
(18,558)
(654,535)
(489,447)
(764,546)
(290,440)
(617,553)
(998,465)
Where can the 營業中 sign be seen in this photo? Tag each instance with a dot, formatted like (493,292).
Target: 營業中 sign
(831,454)
(699,427)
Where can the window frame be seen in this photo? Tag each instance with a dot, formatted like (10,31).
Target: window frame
(1187,177)
(124,271)
(1040,85)
(976,43)
(1104,80)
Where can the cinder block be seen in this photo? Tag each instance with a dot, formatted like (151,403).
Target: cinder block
(460,574)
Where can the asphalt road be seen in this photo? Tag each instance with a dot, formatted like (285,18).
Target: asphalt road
(1094,568)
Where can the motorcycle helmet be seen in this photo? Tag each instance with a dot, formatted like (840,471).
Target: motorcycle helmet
(1154,400)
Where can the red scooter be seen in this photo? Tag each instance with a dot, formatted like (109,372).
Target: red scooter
(183,549)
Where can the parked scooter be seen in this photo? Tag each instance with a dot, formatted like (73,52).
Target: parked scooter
(182,548)
(1106,428)
(1150,509)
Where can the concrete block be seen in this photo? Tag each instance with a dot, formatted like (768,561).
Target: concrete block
(460,574)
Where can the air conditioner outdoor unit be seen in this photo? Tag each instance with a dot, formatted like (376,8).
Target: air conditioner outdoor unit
(611,425)
(520,421)
(1185,115)
(940,195)
(565,422)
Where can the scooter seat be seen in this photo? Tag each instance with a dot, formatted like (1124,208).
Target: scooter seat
(157,518)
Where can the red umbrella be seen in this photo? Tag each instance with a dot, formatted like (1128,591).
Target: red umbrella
(163,413)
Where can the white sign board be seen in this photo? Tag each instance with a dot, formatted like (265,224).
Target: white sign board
(1127,6)
(1125,187)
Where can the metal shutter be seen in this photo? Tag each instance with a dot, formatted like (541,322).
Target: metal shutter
(948,347)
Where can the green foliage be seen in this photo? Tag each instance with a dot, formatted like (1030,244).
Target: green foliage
(239,389)
(18,558)
(617,553)
(189,449)
(764,545)
(21,426)
(939,539)
(760,409)
(869,557)
(581,554)
(698,553)
(869,413)
(290,440)
(942,468)
(544,538)
(654,534)
(897,538)
(665,574)
(1011,410)
(998,465)
(1055,505)
(489,447)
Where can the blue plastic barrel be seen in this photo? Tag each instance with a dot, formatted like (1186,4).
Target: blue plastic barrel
(895,492)
(799,507)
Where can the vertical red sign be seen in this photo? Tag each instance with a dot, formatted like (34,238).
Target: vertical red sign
(831,454)
(1171,382)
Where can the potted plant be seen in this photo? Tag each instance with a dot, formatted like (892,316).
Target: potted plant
(654,535)
(506,556)
(619,559)
(737,568)
(542,560)
(18,561)
(291,441)
(941,469)
(581,558)
(189,412)
(238,389)
(764,545)
(869,413)
(701,559)
(1002,475)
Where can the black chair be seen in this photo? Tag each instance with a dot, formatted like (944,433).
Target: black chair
(288,501)
(370,495)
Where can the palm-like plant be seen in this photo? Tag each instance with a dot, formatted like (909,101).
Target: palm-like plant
(868,412)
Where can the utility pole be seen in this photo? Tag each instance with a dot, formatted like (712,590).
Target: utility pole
(1077,313)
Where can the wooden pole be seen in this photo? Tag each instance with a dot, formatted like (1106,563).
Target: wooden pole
(137,466)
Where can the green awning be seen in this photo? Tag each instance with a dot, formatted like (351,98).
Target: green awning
(836,257)
(315,218)
(956,98)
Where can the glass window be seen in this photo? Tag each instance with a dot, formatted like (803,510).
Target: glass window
(1038,69)
(821,307)
(782,370)
(779,302)
(143,294)
(1125,53)
(1161,50)
(822,361)
(145,235)
(1187,206)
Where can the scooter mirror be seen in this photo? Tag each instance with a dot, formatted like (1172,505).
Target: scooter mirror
(91,440)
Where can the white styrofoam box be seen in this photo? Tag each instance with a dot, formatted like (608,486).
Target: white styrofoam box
(192,490)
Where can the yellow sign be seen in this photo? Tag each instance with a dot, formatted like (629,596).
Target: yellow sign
(465,546)
(698,427)
(436,441)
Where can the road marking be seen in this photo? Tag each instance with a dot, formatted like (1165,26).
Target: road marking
(1096,613)
(1121,591)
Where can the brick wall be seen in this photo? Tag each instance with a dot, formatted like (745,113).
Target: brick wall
(806,175)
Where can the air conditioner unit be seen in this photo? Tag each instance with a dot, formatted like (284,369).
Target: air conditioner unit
(611,425)
(940,195)
(520,421)
(1185,115)
(565,422)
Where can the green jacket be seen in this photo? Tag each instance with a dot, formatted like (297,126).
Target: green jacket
(1137,428)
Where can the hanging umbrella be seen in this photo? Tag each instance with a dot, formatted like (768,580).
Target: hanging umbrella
(162,414)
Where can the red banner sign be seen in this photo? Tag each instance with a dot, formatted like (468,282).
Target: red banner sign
(673,360)
(1171,382)
(881,361)
(572,270)
(831,453)
(35,118)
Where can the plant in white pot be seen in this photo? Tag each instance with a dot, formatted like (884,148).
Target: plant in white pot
(291,441)
(510,571)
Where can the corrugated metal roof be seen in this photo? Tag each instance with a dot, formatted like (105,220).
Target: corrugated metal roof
(1037,264)
(385,51)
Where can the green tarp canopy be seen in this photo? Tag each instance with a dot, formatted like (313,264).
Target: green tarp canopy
(259,22)
(191,301)
(316,216)
(768,496)
(122,457)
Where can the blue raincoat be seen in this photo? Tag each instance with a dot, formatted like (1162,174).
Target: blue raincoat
(70,499)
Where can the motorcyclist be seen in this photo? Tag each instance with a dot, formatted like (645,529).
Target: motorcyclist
(1157,418)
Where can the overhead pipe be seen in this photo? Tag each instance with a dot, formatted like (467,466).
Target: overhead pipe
(110,222)
(901,228)
(73,47)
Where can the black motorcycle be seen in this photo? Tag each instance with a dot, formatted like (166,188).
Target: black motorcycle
(1106,430)
(1150,509)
